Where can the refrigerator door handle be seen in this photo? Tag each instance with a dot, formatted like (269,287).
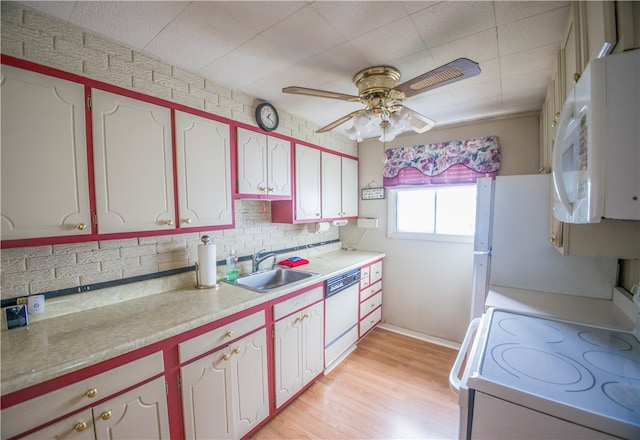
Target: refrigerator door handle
(483,252)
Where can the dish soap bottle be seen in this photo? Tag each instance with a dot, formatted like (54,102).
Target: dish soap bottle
(232,266)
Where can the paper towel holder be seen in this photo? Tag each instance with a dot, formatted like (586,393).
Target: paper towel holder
(205,240)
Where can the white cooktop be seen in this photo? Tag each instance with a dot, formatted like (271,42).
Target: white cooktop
(585,374)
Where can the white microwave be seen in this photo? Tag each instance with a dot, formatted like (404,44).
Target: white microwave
(596,153)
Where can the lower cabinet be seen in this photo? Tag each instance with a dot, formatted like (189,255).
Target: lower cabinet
(138,413)
(298,344)
(225,394)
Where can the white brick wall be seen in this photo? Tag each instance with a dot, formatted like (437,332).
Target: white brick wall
(27,271)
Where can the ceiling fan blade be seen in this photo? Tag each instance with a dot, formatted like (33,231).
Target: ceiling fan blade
(456,70)
(418,122)
(320,93)
(340,121)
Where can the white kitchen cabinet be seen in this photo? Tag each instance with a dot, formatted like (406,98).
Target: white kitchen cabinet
(598,29)
(370,310)
(264,165)
(339,186)
(571,50)
(137,414)
(308,201)
(133,164)
(349,188)
(76,427)
(326,188)
(45,190)
(203,171)
(225,394)
(298,340)
(144,405)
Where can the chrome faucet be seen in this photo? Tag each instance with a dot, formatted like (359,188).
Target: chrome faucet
(257,259)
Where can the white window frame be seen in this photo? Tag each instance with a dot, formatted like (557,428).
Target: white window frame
(392,227)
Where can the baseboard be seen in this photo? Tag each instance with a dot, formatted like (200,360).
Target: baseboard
(420,336)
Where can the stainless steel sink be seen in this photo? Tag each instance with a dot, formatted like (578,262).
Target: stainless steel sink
(267,280)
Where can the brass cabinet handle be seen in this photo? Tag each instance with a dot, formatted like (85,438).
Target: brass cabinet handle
(186,221)
(229,334)
(555,119)
(80,426)
(227,356)
(552,239)
(81,226)
(306,315)
(106,415)
(271,189)
(93,392)
(576,77)
(169,222)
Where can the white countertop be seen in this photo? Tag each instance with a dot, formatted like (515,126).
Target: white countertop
(59,345)
(618,313)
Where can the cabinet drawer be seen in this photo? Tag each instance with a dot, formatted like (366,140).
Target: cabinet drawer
(375,272)
(72,397)
(370,304)
(297,302)
(215,338)
(364,277)
(76,427)
(370,321)
(366,293)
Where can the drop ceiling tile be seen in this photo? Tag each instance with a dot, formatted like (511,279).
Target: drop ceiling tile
(509,11)
(198,36)
(478,47)
(303,34)
(120,21)
(259,15)
(255,59)
(540,30)
(449,21)
(355,18)
(57,9)
(386,43)
(414,6)
(532,60)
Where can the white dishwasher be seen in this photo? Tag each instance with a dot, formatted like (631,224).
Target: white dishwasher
(341,317)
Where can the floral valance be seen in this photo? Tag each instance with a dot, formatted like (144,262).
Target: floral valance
(443,163)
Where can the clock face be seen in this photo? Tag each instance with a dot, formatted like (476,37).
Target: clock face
(267,117)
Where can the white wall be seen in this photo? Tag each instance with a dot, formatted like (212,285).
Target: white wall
(427,284)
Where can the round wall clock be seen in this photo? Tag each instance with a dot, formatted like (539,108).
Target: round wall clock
(267,116)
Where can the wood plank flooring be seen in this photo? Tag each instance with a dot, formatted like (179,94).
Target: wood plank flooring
(391,386)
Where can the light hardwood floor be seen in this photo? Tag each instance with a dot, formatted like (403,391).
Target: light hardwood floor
(391,386)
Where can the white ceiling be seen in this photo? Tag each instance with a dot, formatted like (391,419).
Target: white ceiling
(259,47)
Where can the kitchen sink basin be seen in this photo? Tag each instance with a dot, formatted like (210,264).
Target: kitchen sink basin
(267,280)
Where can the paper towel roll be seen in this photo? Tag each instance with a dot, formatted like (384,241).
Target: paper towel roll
(207,265)
(322,227)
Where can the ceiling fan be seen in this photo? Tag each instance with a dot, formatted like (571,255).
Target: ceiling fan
(378,91)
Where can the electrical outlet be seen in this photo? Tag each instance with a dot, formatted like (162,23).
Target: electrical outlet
(23,300)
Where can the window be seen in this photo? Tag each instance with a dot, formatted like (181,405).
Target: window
(445,213)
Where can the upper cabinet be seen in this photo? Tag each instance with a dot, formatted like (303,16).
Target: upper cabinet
(326,188)
(133,164)
(203,171)
(590,33)
(45,190)
(339,186)
(308,183)
(264,165)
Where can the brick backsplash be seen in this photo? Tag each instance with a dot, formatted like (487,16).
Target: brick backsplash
(26,271)
(32,270)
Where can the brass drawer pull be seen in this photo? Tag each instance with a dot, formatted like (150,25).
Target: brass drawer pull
(93,392)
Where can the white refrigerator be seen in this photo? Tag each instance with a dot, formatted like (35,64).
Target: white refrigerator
(512,248)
